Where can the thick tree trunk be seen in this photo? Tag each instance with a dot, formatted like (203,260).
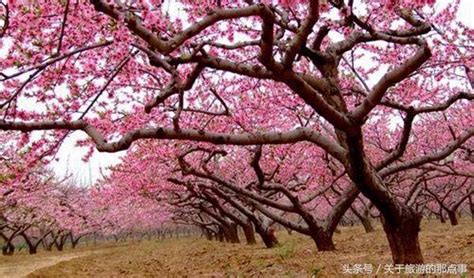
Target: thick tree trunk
(8,249)
(32,245)
(323,240)
(220,235)
(402,237)
(267,235)
(233,233)
(249,234)
(401,223)
(32,249)
(226,234)
(60,247)
(453,218)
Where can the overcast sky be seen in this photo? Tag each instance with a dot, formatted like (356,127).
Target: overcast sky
(70,157)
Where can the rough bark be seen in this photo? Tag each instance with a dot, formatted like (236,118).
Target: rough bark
(471,206)
(249,234)
(403,239)
(233,233)
(48,245)
(400,222)
(367,223)
(268,236)
(453,218)
(8,249)
(441,215)
(60,241)
(220,235)
(323,240)
(364,219)
(32,247)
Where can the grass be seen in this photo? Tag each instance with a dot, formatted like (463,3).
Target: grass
(285,251)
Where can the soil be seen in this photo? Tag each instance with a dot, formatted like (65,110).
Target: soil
(196,257)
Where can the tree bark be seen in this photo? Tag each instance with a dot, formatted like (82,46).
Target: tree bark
(323,240)
(249,234)
(8,249)
(74,243)
(60,242)
(441,217)
(207,234)
(401,223)
(267,235)
(471,206)
(48,245)
(453,218)
(32,247)
(220,235)
(233,233)
(364,219)
(60,247)
(368,227)
(403,239)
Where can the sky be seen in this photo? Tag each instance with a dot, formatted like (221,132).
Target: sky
(70,158)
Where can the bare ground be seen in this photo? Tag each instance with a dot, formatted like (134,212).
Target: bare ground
(196,257)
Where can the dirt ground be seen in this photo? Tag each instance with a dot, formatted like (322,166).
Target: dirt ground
(196,257)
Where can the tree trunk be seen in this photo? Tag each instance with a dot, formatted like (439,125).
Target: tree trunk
(364,218)
(453,218)
(471,206)
(207,234)
(220,236)
(74,243)
(8,249)
(441,216)
(32,249)
(369,228)
(47,246)
(323,240)
(401,223)
(267,235)
(402,236)
(249,234)
(233,233)
(60,243)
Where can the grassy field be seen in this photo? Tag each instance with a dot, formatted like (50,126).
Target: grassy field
(196,257)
